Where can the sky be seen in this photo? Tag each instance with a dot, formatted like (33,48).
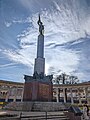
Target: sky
(67,37)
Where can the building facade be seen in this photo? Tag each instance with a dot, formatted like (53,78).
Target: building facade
(11,91)
(71,93)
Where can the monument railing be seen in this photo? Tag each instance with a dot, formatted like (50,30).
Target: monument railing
(45,116)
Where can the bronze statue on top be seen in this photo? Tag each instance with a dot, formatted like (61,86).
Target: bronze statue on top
(41,26)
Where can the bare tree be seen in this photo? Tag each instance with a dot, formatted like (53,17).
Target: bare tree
(66,79)
(73,79)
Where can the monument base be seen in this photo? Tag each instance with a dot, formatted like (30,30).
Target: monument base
(38,89)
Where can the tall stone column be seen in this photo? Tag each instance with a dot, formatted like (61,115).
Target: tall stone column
(39,67)
(7,96)
(15,94)
(86,94)
(64,94)
(79,96)
(71,96)
(57,94)
(22,94)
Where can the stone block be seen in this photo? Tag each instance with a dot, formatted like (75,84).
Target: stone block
(37,91)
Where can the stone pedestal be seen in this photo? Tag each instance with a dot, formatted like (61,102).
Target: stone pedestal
(38,89)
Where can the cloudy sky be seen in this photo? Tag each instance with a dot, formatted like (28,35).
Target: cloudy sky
(67,40)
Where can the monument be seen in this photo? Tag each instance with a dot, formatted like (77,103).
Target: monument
(38,89)
(39,86)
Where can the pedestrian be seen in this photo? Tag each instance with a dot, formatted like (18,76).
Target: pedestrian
(85,113)
(87,109)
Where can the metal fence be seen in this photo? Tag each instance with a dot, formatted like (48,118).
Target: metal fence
(44,116)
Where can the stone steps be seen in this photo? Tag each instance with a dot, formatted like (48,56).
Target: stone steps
(19,106)
(48,106)
(35,106)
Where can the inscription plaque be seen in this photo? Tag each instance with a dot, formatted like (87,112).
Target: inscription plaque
(44,90)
